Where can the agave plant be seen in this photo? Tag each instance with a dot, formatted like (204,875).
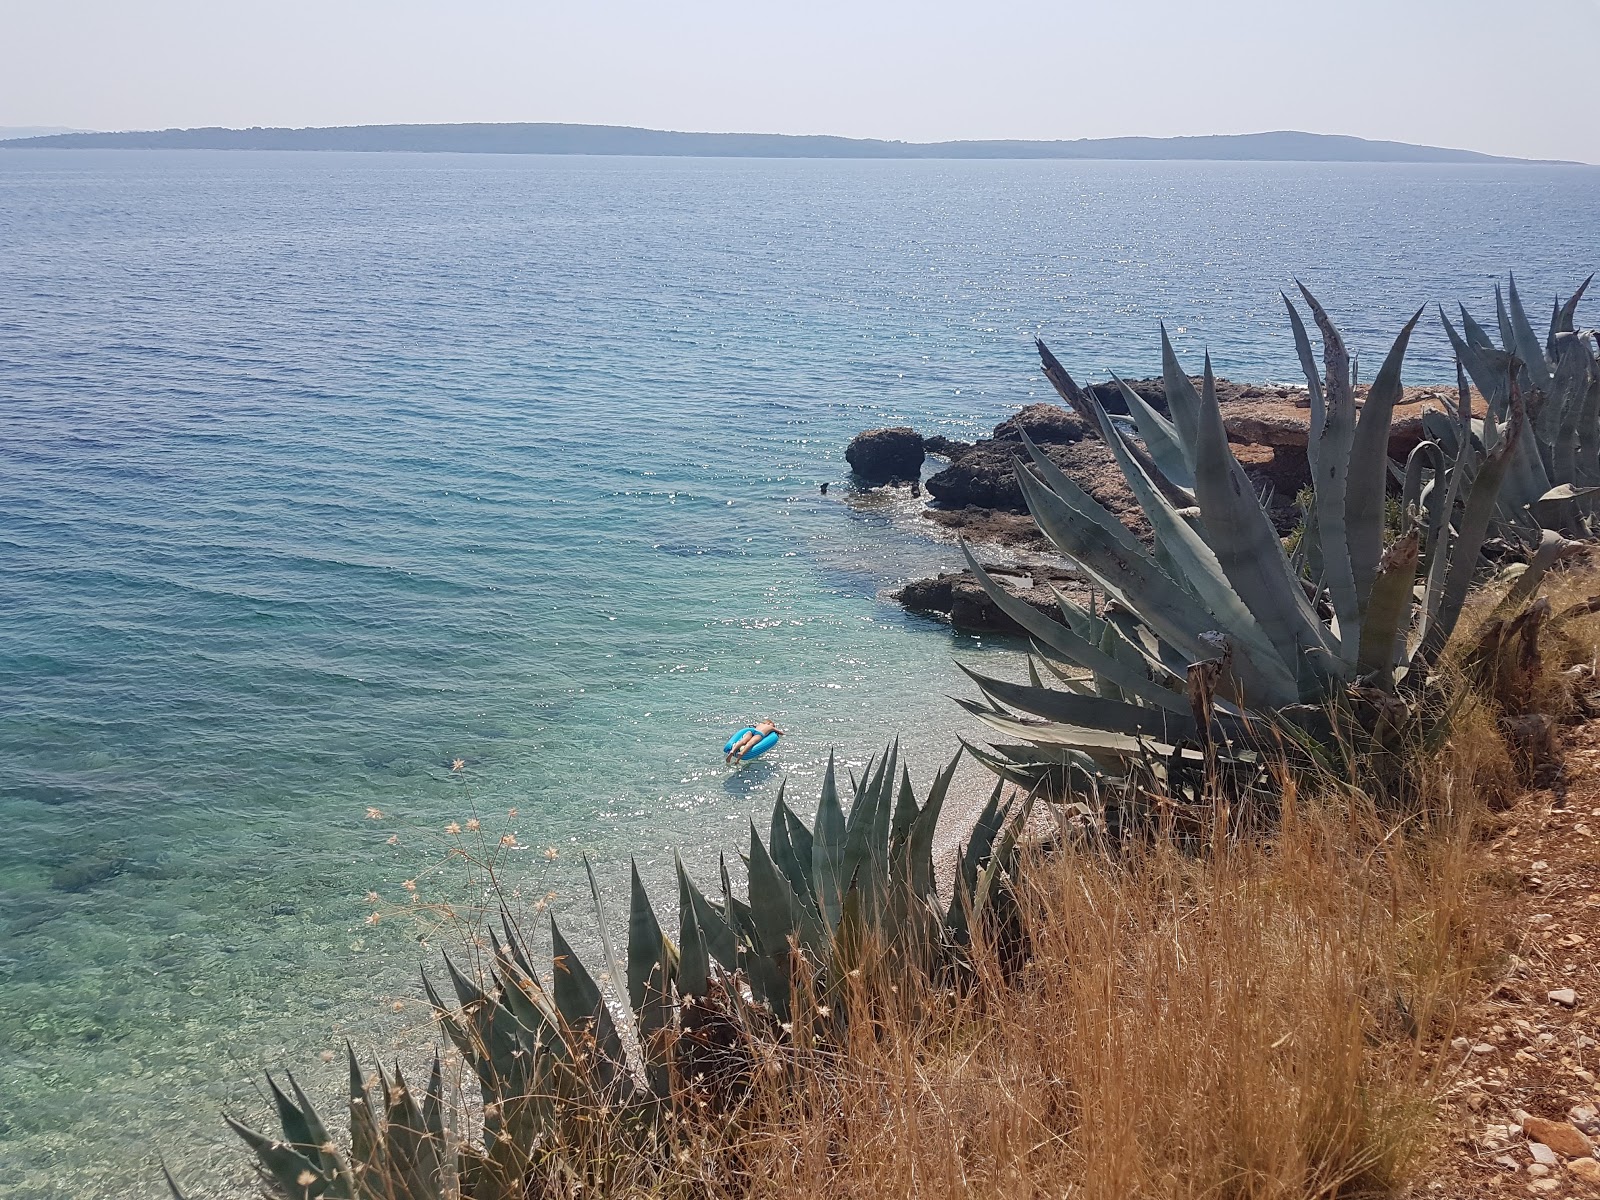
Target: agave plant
(1214,636)
(1553,472)
(564,1068)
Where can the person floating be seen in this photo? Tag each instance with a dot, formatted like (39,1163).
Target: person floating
(751,742)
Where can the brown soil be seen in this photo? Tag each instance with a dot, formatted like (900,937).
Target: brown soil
(1520,1049)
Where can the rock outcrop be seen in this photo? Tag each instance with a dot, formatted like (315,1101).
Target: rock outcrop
(978,498)
(985,478)
(886,455)
(958,596)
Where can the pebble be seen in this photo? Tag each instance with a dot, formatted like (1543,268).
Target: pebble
(1559,1136)
(1537,1169)
(1460,1043)
(1543,1156)
(1483,1048)
(1586,1169)
(1565,997)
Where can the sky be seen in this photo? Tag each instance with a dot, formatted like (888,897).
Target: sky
(1507,78)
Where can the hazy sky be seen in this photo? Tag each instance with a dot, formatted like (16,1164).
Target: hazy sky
(1518,78)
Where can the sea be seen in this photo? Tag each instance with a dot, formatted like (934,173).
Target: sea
(344,497)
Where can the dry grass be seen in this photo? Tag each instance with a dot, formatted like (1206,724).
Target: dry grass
(1261,1022)
(1255,1025)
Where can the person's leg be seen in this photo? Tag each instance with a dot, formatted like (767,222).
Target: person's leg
(742,745)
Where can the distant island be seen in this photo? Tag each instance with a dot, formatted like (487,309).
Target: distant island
(8,132)
(545,138)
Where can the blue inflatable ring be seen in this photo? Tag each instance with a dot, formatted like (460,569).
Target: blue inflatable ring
(756,751)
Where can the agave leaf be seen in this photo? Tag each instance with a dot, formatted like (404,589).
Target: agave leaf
(433,1104)
(619,978)
(971,858)
(1568,311)
(1097,743)
(694,960)
(1331,482)
(1132,579)
(772,901)
(1414,497)
(860,854)
(1308,364)
(1001,858)
(1247,545)
(1488,367)
(905,806)
(172,1184)
(1265,672)
(1074,647)
(647,945)
(1476,335)
(1183,402)
(1091,711)
(714,928)
(881,813)
(796,867)
(1389,610)
(736,910)
(1463,471)
(1070,495)
(1586,468)
(827,850)
(1160,438)
(317,1129)
(1443,430)
(493,1027)
(581,1005)
(1524,343)
(1480,506)
(1566,491)
(302,1129)
(365,1141)
(1551,544)
(287,1166)
(413,1156)
(1573,373)
(1369,458)
(919,842)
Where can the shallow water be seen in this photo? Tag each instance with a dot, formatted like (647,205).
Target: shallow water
(320,471)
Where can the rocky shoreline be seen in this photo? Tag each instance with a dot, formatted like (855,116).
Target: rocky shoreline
(975,496)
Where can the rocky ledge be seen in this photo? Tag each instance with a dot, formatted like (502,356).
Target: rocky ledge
(977,497)
(958,596)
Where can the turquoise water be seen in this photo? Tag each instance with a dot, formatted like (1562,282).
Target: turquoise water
(318,472)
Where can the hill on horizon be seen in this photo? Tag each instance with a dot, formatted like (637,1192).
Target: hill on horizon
(550,138)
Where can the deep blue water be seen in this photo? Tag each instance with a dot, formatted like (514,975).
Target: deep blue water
(319,471)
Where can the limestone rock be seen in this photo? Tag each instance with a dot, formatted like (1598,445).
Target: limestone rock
(1560,1136)
(985,477)
(1543,1155)
(959,596)
(1565,997)
(1586,1169)
(886,455)
(945,447)
(1046,424)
